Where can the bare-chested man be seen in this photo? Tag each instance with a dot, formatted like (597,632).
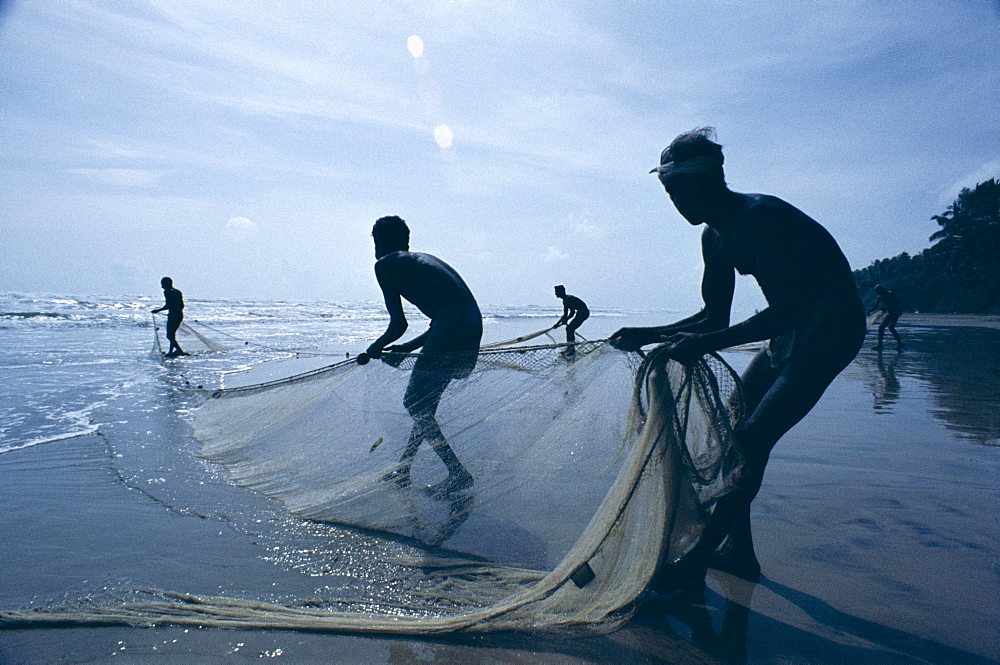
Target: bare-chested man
(174,304)
(888,302)
(575,312)
(814,320)
(450,345)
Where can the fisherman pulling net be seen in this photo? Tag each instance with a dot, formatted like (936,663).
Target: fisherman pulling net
(589,474)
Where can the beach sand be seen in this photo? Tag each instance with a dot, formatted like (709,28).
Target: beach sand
(950,320)
(876,529)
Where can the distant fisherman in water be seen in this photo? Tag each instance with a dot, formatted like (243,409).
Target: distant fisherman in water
(888,302)
(450,345)
(575,312)
(175,314)
(814,320)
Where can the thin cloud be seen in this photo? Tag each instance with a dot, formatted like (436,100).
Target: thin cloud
(120,177)
(584,226)
(241,224)
(554,255)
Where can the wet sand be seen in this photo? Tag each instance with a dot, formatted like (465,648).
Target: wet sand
(876,529)
(951,320)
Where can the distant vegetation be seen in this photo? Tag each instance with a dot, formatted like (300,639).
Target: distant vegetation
(960,273)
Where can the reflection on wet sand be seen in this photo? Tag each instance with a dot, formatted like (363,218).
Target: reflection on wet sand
(883,384)
(689,616)
(782,620)
(961,367)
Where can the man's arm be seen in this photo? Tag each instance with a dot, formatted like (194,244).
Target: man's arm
(790,304)
(718,284)
(394,305)
(412,345)
(173,300)
(567,312)
(766,324)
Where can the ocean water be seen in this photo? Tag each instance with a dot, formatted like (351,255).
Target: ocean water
(876,528)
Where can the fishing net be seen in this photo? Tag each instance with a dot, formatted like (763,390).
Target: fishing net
(875,317)
(590,468)
(189,337)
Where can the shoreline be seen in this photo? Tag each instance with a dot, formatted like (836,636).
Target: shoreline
(990,321)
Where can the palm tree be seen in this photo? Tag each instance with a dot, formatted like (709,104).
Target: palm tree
(961,271)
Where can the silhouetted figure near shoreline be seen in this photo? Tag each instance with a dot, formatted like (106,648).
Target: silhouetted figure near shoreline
(575,312)
(889,303)
(174,304)
(814,320)
(450,345)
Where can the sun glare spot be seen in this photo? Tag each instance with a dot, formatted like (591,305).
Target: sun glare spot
(443,136)
(415,45)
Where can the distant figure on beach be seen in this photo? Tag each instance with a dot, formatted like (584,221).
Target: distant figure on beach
(814,321)
(174,304)
(575,312)
(450,345)
(889,303)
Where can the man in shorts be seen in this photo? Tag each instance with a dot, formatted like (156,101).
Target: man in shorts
(888,302)
(449,347)
(174,304)
(575,312)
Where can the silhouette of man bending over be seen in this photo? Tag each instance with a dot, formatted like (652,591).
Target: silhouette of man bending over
(814,320)
(450,345)
(575,312)
(888,302)
(174,304)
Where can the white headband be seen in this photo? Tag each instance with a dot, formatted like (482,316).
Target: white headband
(696,165)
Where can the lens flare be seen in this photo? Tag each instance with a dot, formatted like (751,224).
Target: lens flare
(443,136)
(415,45)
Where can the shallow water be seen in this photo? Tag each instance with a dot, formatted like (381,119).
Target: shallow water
(876,526)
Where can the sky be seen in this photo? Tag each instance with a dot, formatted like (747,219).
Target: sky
(246,147)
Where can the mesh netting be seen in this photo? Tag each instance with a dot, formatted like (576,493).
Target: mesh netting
(188,336)
(589,469)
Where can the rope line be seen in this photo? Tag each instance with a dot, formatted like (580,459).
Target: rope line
(302,376)
(263,346)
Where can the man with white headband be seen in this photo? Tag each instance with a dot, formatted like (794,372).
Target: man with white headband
(667,170)
(814,321)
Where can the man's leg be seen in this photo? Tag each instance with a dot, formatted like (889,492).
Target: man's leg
(729,513)
(172,325)
(881,332)
(891,324)
(570,349)
(899,341)
(757,380)
(421,400)
(459,477)
(423,394)
(793,393)
(571,331)
(401,474)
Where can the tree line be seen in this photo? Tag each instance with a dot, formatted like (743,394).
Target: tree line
(960,272)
